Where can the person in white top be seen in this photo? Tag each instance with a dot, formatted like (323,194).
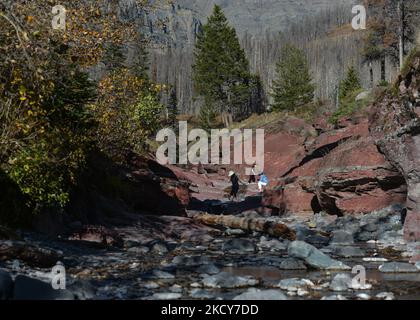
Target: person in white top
(252,178)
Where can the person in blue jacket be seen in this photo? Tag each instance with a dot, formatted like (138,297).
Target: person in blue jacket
(263,182)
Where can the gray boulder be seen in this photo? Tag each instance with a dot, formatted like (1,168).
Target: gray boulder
(225,280)
(341,282)
(314,257)
(239,245)
(292,264)
(257,294)
(342,237)
(398,267)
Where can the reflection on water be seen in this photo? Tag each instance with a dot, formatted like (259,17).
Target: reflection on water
(403,285)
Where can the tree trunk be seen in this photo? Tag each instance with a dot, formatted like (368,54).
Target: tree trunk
(272,228)
(383,70)
(401,32)
(371,74)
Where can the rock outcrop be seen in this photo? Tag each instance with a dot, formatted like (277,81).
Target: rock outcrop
(340,172)
(395,124)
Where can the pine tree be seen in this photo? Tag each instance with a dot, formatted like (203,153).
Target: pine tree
(221,70)
(140,63)
(114,57)
(173,109)
(350,84)
(391,30)
(292,87)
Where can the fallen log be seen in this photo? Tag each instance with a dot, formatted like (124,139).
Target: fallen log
(275,229)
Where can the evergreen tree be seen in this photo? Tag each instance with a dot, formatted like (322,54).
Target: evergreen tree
(292,88)
(207,117)
(221,71)
(392,25)
(350,84)
(114,57)
(140,63)
(173,109)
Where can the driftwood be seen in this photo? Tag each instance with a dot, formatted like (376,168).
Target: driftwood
(272,228)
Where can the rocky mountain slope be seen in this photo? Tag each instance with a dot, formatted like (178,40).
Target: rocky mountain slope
(172,29)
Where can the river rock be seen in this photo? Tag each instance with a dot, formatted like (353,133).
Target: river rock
(348,251)
(198,293)
(363,296)
(226,280)
(398,267)
(385,296)
(6,285)
(341,282)
(190,261)
(208,269)
(342,237)
(159,248)
(272,245)
(257,294)
(334,297)
(294,284)
(83,290)
(166,296)
(163,274)
(314,257)
(238,245)
(292,264)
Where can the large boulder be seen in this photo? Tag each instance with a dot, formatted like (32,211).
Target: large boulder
(314,257)
(395,124)
(341,172)
(142,185)
(355,178)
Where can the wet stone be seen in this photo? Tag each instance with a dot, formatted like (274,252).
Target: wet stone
(398,267)
(272,245)
(198,293)
(163,274)
(138,250)
(257,294)
(314,257)
(191,260)
(385,296)
(292,264)
(159,248)
(208,269)
(166,296)
(334,297)
(341,282)
(227,280)
(238,245)
(342,237)
(294,284)
(348,251)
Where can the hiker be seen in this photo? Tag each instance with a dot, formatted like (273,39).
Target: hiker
(234,179)
(263,182)
(252,178)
